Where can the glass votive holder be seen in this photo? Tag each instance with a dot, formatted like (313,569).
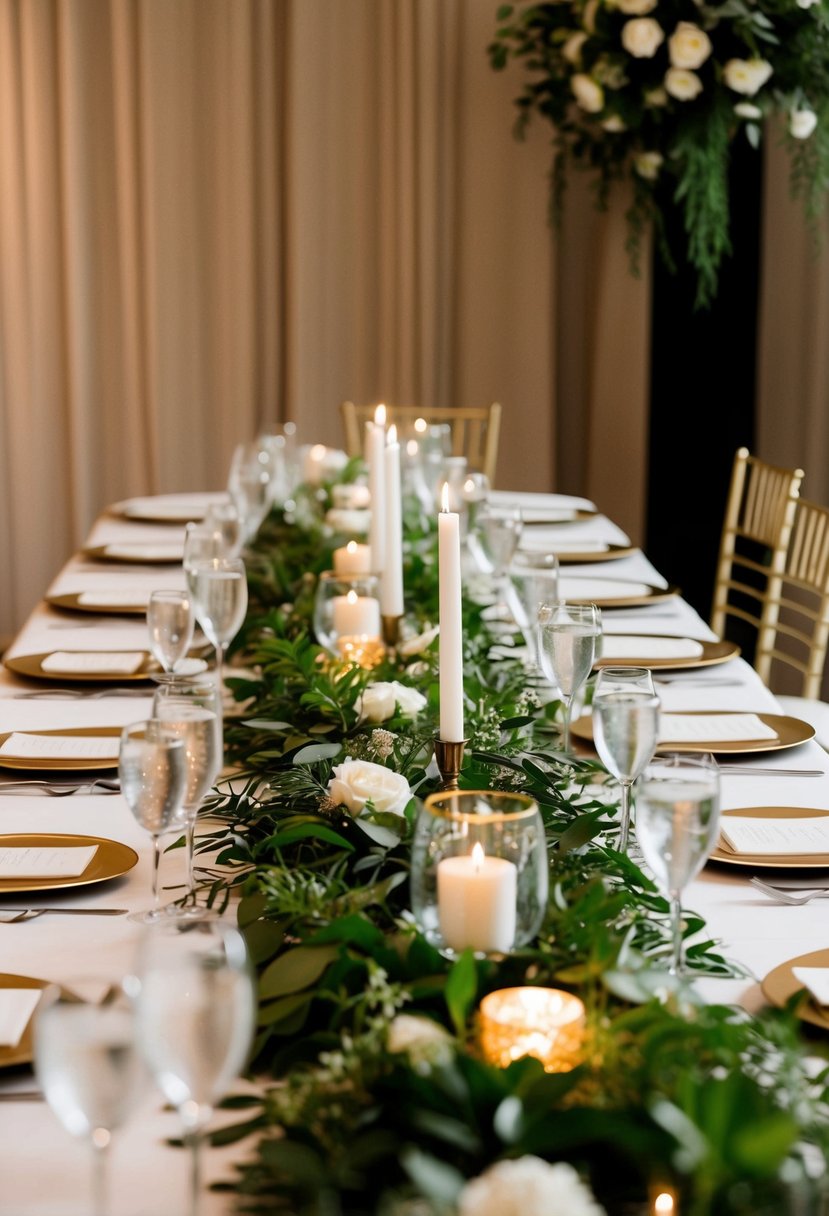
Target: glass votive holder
(347,606)
(546,1023)
(479,871)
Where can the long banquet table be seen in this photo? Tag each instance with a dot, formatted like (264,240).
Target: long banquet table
(44,1171)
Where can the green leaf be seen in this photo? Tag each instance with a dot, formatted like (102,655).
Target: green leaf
(581,832)
(296,970)
(461,988)
(435,1179)
(317,751)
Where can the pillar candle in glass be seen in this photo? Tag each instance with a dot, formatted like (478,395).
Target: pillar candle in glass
(376,438)
(391,586)
(356,616)
(451,627)
(352,558)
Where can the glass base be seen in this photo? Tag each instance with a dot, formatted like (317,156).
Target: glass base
(186,912)
(150,916)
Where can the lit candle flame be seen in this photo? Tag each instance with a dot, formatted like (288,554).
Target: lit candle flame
(477,856)
(391,436)
(664,1203)
(412,447)
(351,597)
(380,415)
(469,485)
(351,547)
(444,497)
(420,425)
(318,451)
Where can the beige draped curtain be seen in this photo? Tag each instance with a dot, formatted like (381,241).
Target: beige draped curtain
(220,213)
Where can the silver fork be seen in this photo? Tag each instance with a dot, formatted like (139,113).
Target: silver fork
(20,914)
(786,897)
(62,789)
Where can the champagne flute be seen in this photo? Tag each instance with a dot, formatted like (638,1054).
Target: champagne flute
(152,766)
(625,729)
(170,625)
(195,1016)
(568,637)
(87,1067)
(677,819)
(220,596)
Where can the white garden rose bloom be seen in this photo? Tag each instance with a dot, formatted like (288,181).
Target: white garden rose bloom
(648,164)
(378,701)
(688,46)
(642,37)
(802,123)
(356,782)
(571,50)
(745,109)
(528,1186)
(422,1039)
(746,76)
(588,94)
(682,85)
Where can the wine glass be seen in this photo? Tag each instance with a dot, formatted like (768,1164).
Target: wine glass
(87,1066)
(625,729)
(677,819)
(223,517)
(568,636)
(170,625)
(195,1004)
(220,597)
(196,720)
(527,588)
(202,542)
(249,484)
(152,766)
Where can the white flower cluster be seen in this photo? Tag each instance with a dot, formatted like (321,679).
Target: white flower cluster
(528,1186)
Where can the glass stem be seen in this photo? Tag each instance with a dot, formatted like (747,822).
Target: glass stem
(194,1139)
(676,936)
(624,826)
(100,1172)
(156,865)
(565,730)
(190,845)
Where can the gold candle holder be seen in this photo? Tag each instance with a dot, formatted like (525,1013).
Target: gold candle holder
(363,652)
(449,758)
(546,1023)
(391,629)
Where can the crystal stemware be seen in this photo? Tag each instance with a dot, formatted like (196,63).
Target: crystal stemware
(170,624)
(223,517)
(568,638)
(220,598)
(677,819)
(528,587)
(625,729)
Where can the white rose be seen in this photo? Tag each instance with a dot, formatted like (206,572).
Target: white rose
(352,496)
(528,1186)
(688,46)
(642,37)
(682,85)
(656,97)
(341,519)
(802,123)
(746,110)
(418,643)
(588,94)
(648,164)
(356,782)
(571,50)
(614,124)
(378,701)
(422,1039)
(637,8)
(746,75)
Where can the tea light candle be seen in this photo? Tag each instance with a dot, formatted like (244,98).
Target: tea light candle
(391,586)
(451,627)
(542,1022)
(353,558)
(314,463)
(376,483)
(356,615)
(477,902)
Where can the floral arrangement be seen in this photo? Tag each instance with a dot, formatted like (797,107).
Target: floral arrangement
(656,91)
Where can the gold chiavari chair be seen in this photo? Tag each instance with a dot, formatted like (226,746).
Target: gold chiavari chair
(758,522)
(474,430)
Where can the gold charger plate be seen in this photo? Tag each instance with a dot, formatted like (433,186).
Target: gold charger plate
(41,763)
(111,860)
(781,984)
(576,516)
(23,1052)
(652,595)
(712,652)
(581,557)
(121,510)
(790,732)
(98,553)
(30,665)
(71,603)
(794,861)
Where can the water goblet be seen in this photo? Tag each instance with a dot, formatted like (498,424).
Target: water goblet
(223,517)
(170,625)
(152,766)
(220,598)
(528,587)
(87,1067)
(568,637)
(625,729)
(202,542)
(195,1001)
(677,820)
(249,483)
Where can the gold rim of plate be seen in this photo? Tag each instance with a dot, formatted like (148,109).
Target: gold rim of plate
(712,652)
(98,553)
(111,860)
(792,861)
(790,732)
(30,665)
(44,764)
(626,601)
(584,557)
(781,984)
(23,1052)
(577,516)
(71,603)
(121,510)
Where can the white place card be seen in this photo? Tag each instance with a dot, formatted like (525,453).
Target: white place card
(815,980)
(114,599)
(626,646)
(41,862)
(124,662)
(776,837)
(60,747)
(146,553)
(16,1008)
(601,589)
(714,728)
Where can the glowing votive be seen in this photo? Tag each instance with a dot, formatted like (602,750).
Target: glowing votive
(477,902)
(546,1023)
(356,616)
(353,558)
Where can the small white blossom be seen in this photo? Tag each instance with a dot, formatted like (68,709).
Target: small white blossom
(636,8)
(418,643)
(642,37)
(802,123)
(588,94)
(588,17)
(682,85)
(382,743)
(571,50)
(528,1186)
(688,46)
(648,164)
(746,76)
(614,124)
(745,109)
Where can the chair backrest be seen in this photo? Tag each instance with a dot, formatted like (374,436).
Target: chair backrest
(758,523)
(474,429)
(797,611)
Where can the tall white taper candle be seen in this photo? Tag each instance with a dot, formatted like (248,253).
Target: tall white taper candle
(391,585)
(376,485)
(451,632)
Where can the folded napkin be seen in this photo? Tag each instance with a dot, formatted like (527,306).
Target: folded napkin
(37,862)
(539,540)
(171,508)
(621,646)
(123,662)
(114,599)
(776,837)
(815,980)
(16,1008)
(601,589)
(61,747)
(145,553)
(714,728)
